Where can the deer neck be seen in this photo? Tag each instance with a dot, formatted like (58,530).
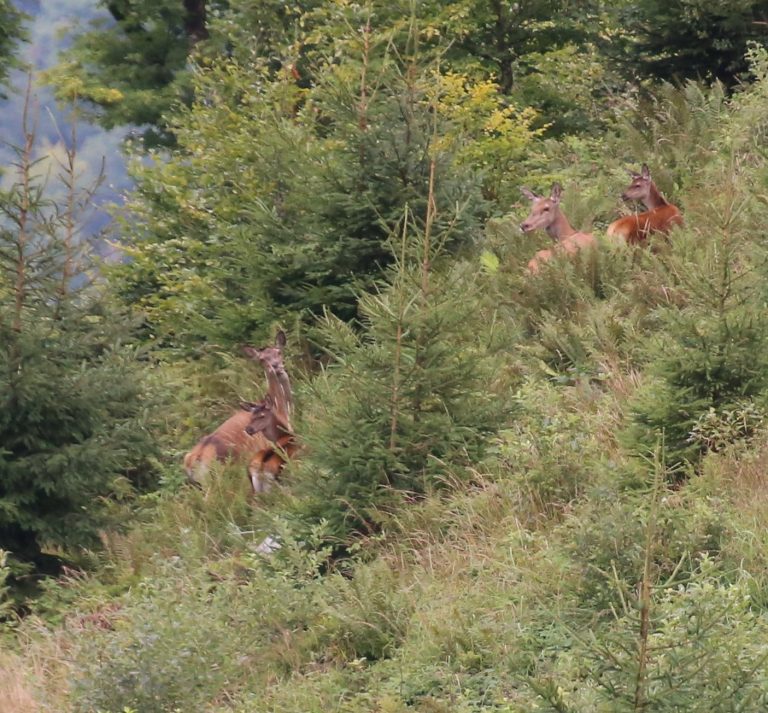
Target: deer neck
(279,387)
(284,432)
(276,430)
(655,199)
(560,228)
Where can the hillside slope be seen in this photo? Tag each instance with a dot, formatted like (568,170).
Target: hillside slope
(517,492)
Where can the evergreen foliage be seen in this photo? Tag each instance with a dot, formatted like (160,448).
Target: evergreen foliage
(703,654)
(690,39)
(285,209)
(708,356)
(11,31)
(132,69)
(479,515)
(72,421)
(421,390)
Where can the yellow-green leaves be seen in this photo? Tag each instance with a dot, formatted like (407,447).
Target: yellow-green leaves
(486,132)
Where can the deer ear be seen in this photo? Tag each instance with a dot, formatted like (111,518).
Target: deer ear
(556,192)
(646,172)
(280,340)
(528,193)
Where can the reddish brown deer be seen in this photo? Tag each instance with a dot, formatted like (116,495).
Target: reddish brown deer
(230,440)
(546,215)
(659,217)
(265,467)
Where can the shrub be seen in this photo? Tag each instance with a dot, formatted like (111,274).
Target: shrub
(704,652)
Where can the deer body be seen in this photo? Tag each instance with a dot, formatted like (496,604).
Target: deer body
(265,467)
(230,441)
(660,215)
(546,215)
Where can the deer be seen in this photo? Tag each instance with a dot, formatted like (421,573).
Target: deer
(660,215)
(546,215)
(230,441)
(265,467)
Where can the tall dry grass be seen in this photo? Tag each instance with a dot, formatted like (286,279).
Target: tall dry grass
(16,693)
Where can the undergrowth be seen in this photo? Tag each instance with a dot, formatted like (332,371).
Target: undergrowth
(571,517)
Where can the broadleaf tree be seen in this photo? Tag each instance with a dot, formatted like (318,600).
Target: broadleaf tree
(279,200)
(133,66)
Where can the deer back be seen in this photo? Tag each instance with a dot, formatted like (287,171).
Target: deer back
(578,241)
(570,245)
(635,229)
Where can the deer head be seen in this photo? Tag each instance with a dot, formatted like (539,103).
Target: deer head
(271,358)
(544,211)
(264,420)
(640,187)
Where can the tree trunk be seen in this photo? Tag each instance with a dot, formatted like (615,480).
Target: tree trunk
(195,21)
(503,50)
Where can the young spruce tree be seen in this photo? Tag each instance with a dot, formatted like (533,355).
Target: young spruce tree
(280,198)
(409,400)
(710,357)
(71,415)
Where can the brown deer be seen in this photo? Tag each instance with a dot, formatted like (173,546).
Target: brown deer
(546,215)
(659,217)
(268,463)
(230,440)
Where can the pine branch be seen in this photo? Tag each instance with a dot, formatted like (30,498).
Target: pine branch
(396,383)
(25,203)
(641,684)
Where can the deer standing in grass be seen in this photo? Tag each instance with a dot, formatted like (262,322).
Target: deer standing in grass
(659,217)
(268,463)
(546,215)
(272,419)
(230,441)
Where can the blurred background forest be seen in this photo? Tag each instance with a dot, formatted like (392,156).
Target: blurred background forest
(512,492)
